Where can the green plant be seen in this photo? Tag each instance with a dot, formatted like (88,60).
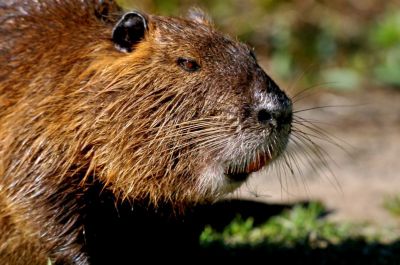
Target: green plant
(299,225)
(392,204)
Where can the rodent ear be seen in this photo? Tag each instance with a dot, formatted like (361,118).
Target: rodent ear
(129,30)
(198,15)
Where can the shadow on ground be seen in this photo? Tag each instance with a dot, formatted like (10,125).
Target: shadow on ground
(134,233)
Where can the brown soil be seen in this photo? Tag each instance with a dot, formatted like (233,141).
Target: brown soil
(364,175)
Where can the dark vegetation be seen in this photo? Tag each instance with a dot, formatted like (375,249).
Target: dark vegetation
(233,231)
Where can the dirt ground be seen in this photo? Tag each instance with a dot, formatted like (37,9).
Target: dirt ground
(368,127)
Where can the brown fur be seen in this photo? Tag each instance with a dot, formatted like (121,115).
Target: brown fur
(75,112)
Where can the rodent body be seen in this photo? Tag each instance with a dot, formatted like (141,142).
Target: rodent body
(148,107)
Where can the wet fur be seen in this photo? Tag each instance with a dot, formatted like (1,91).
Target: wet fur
(76,113)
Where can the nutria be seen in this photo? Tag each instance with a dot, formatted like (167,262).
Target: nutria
(149,108)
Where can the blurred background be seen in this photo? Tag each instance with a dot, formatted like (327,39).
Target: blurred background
(356,42)
(345,54)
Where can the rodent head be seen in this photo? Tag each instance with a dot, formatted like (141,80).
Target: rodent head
(196,114)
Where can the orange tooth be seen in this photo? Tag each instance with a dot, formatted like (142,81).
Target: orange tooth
(257,164)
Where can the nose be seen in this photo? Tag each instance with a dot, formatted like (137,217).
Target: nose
(264,116)
(271,106)
(274,108)
(275,118)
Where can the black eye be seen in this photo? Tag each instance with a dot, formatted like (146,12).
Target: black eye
(253,54)
(189,65)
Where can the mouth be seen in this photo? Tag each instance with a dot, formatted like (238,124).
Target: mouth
(239,173)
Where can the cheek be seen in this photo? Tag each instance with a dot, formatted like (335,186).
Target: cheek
(212,181)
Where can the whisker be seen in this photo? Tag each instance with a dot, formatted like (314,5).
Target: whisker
(301,94)
(321,155)
(323,107)
(322,134)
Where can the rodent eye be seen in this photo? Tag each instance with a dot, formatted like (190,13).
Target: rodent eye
(189,65)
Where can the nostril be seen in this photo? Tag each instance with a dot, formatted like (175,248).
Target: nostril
(264,116)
